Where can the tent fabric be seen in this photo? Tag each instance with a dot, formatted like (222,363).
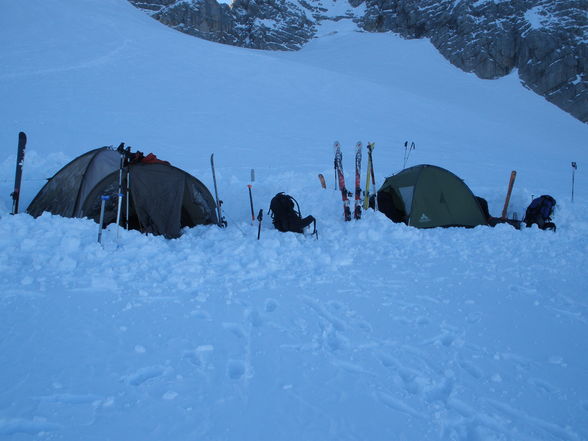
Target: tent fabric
(427,196)
(64,191)
(163,199)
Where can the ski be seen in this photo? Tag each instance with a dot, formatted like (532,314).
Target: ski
(368,177)
(513,176)
(322,180)
(221,220)
(341,181)
(357,209)
(22,143)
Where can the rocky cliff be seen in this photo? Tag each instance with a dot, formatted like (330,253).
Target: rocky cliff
(545,40)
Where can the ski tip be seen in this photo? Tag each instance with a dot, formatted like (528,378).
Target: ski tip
(22,136)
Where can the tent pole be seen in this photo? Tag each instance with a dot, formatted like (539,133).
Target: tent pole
(101,223)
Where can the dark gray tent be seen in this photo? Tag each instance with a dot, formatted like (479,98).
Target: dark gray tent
(426,196)
(163,199)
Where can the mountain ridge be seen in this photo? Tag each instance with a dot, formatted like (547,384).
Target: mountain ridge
(546,41)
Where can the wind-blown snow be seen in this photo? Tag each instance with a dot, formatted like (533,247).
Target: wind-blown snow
(376,331)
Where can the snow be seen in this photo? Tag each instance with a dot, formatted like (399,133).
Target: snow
(375,331)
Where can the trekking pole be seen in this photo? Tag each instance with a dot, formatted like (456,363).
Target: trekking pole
(121,150)
(101,223)
(251,204)
(259,218)
(513,176)
(574,168)
(127,163)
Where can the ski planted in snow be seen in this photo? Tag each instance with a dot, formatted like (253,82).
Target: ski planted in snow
(221,220)
(341,181)
(22,143)
(322,179)
(357,208)
(511,182)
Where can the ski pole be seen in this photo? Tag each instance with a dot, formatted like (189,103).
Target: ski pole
(252,175)
(101,223)
(374,177)
(336,146)
(251,204)
(574,168)
(407,151)
(259,218)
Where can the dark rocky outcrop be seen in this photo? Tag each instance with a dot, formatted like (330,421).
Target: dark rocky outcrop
(545,40)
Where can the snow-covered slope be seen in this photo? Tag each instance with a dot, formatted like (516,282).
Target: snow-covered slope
(376,331)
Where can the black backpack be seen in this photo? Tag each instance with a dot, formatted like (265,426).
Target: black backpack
(286,217)
(540,211)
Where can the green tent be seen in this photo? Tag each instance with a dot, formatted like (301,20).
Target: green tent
(427,196)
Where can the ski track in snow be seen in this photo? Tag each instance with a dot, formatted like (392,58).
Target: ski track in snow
(416,354)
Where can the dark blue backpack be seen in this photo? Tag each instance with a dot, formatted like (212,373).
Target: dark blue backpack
(285,213)
(540,211)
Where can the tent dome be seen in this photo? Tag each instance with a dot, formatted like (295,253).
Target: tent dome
(427,196)
(162,198)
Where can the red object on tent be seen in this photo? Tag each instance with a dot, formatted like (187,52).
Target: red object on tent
(152,159)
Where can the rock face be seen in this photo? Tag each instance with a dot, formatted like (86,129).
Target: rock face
(545,40)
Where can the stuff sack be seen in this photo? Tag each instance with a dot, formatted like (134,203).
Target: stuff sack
(285,213)
(540,211)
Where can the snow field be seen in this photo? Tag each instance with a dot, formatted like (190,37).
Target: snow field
(376,331)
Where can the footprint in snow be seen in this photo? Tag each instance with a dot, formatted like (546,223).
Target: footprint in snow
(235,369)
(271,305)
(235,328)
(145,374)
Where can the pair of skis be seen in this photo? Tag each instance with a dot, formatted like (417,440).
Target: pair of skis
(340,180)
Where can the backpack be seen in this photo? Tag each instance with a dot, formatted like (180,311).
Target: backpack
(539,212)
(286,217)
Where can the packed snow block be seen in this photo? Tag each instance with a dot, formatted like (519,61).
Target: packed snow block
(162,198)
(427,196)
